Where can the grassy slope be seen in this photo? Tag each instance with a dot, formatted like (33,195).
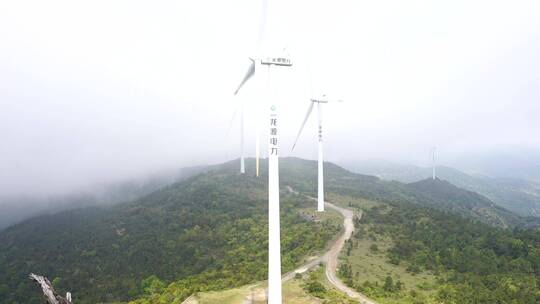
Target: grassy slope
(373,266)
(483,266)
(294,292)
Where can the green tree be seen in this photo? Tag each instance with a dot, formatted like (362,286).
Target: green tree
(152,285)
(4,289)
(388,284)
(56,282)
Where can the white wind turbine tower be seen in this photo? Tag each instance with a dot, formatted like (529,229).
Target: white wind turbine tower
(320,170)
(274,242)
(434,176)
(242,163)
(250,73)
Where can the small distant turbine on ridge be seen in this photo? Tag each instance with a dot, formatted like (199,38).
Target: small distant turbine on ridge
(250,72)
(434,176)
(320,171)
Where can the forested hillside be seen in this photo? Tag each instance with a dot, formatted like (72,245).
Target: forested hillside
(476,250)
(209,232)
(473,262)
(443,195)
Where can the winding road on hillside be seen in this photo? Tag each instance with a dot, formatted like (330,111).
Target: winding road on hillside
(331,257)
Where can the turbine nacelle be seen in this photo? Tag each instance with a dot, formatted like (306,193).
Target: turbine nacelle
(324,99)
(313,101)
(276,57)
(277,61)
(282,61)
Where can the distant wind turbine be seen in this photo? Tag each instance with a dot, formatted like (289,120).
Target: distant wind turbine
(249,74)
(320,173)
(274,242)
(433,162)
(242,164)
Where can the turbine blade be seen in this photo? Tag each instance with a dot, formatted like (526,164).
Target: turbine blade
(310,108)
(231,122)
(262,26)
(250,72)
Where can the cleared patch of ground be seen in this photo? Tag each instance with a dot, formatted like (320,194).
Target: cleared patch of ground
(236,295)
(311,213)
(373,265)
(353,203)
(294,292)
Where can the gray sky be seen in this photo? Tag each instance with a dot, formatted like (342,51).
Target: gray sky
(99,91)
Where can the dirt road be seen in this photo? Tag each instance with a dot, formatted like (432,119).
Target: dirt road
(331,257)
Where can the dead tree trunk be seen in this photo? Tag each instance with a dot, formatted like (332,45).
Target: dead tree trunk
(48,290)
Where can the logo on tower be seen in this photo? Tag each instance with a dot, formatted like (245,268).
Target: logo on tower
(273,138)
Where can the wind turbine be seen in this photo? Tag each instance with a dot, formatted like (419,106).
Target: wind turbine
(434,176)
(242,164)
(274,241)
(320,172)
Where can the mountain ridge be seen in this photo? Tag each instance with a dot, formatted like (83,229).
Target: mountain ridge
(517,195)
(465,202)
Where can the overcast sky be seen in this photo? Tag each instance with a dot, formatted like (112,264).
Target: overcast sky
(99,91)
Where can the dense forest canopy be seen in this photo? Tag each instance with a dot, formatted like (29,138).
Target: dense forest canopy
(209,231)
(475,262)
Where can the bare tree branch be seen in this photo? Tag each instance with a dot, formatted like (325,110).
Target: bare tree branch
(48,290)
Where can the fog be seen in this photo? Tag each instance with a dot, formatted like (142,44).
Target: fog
(104,91)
